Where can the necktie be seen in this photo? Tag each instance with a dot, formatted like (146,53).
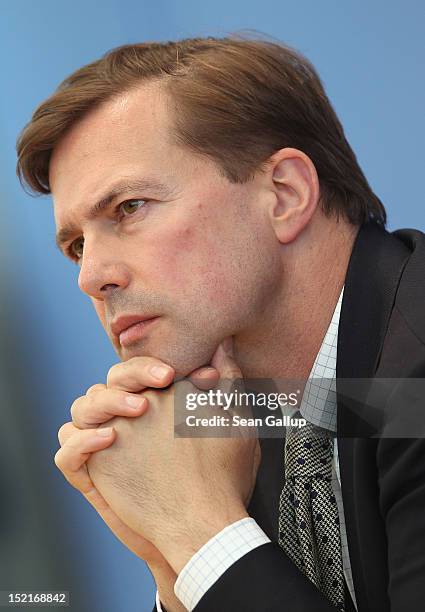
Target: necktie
(308,514)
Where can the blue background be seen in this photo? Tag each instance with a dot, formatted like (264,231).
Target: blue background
(370,55)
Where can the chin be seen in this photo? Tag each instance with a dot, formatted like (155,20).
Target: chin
(185,347)
(183,361)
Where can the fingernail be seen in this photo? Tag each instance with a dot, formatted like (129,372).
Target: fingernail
(105,432)
(159,371)
(135,402)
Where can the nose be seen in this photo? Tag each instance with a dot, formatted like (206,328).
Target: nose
(101,270)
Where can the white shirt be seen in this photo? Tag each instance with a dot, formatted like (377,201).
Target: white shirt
(318,406)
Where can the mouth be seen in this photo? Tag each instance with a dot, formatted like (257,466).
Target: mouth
(130,329)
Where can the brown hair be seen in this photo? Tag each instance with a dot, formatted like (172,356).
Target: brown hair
(236,101)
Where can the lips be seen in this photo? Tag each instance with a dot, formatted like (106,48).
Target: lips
(124,323)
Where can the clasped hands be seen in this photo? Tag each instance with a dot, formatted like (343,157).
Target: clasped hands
(162,496)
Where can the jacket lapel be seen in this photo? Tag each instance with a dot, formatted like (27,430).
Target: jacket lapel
(375,268)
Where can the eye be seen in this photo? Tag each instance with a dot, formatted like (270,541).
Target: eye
(129,207)
(76,248)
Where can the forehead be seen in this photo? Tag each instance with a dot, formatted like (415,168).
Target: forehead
(126,135)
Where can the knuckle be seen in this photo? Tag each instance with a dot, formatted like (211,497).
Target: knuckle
(129,373)
(90,404)
(87,406)
(113,373)
(75,406)
(63,431)
(95,388)
(59,460)
(82,407)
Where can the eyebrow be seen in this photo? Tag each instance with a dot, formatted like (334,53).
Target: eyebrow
(123,186)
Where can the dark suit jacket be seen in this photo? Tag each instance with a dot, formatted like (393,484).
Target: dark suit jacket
(381,334)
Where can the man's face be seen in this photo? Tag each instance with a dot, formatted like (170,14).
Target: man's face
(187,247)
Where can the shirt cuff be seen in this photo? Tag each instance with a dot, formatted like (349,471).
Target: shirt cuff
(215,557)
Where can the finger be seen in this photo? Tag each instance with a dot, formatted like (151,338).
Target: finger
(101,406)
(67,430)
(95,388)
(78,447)
(204,378)
(138,373)
(72,457)
(223,359)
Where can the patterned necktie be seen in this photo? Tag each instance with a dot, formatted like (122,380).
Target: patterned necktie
(308,513)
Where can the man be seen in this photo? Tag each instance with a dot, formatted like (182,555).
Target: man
(223,228)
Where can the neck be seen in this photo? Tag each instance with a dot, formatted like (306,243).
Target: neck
(288,336)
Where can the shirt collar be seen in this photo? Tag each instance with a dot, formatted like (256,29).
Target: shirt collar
(318,404)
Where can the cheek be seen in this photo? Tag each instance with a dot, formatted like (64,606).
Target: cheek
(183,257)
(207,281)
(206,261)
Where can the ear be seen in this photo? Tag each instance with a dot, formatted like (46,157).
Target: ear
(294,181)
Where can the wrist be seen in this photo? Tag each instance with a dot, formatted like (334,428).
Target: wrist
(200,529)
(169,602)
(165,579)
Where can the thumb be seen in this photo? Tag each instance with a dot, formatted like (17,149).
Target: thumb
(224,361)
